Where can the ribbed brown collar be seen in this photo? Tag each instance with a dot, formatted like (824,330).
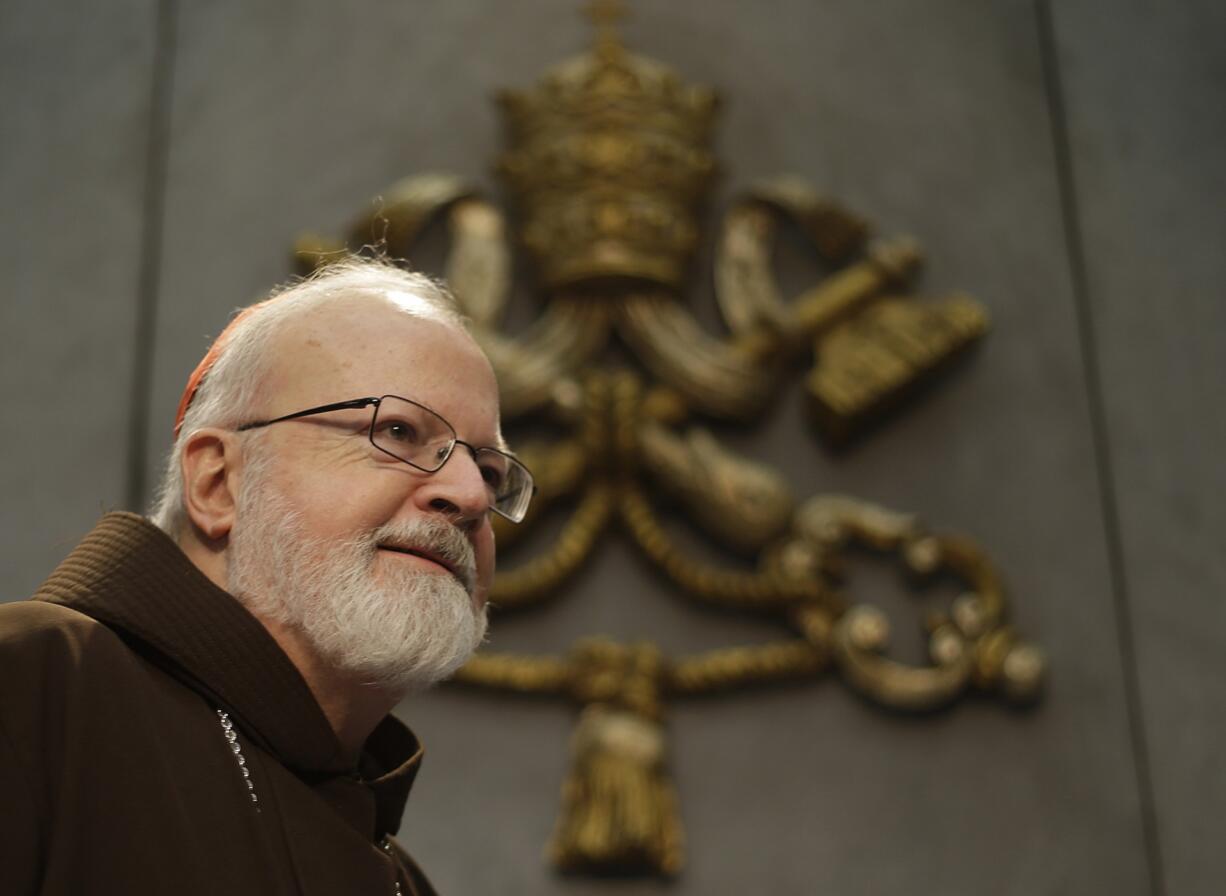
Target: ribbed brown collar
(129,575)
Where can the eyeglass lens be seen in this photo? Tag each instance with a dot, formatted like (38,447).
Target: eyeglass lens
(415,434)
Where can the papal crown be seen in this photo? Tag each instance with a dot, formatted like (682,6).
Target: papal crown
(608,164)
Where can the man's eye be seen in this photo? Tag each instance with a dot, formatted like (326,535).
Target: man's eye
(493,477)
(398,431)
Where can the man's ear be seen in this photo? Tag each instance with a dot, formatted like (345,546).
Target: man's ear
(210,467)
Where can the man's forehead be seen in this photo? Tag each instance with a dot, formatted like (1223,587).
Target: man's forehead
(343,333)
(376,348)
(357,316)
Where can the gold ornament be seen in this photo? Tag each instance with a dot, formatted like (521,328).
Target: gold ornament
(609,163)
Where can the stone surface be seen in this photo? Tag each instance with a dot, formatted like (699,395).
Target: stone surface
(937,124)
(1147,133)
(931,119)
(75,86)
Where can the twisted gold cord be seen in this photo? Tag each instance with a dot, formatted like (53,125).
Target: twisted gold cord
(732,667)
(537,579)
(702,673)
(740,590)
(520,674)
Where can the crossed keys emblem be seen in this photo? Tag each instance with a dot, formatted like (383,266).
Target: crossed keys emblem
(608,168)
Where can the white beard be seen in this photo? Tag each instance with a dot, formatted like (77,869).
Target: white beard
(409,630)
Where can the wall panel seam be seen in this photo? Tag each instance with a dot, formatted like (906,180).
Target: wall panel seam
(157,157)
(1107,486)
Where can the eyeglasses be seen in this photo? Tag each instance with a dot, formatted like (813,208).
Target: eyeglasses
(413,433)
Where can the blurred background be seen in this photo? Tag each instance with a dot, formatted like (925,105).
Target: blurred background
(1060,161)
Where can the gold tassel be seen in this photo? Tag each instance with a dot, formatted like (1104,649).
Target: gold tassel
(619,812)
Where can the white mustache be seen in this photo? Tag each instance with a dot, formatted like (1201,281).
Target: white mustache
(432,536)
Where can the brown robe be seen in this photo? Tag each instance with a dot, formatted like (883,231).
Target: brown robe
(117,774)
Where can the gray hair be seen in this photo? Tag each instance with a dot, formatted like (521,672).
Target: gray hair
(227,393)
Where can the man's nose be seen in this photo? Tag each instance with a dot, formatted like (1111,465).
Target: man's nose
(457,489)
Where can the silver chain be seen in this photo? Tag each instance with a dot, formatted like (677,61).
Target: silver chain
(231,734)
(227,727)
(386,845)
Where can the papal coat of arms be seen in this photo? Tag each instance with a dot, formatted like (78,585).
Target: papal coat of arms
(608,168)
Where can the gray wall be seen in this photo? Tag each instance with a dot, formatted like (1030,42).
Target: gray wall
(1060,161)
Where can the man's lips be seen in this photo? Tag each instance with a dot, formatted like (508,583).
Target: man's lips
(427,554)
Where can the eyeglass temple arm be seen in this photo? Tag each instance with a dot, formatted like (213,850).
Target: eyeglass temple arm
(337,406)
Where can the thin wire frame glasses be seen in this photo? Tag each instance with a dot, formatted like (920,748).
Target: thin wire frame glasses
(416,435)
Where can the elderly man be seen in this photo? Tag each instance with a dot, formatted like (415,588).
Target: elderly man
(201,705)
